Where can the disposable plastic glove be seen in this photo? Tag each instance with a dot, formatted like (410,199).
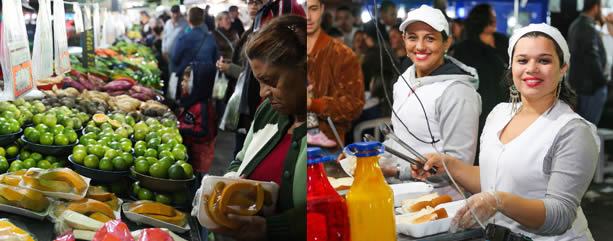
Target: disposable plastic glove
(484,206)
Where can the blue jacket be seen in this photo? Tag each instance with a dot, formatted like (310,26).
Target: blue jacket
(184,50)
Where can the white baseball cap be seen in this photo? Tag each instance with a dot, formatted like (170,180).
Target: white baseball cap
(431,16)
(544,28)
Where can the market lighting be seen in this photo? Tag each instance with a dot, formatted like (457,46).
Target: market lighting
(461,12)
(401,13)
(365,16)
(511,22)
(301,2)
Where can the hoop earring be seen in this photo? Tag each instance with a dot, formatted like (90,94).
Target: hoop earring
(513,98)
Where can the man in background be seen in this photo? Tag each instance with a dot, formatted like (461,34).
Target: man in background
(345,21)
(172,29)
(587,66)
(237,25)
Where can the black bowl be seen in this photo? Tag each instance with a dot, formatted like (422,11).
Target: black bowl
(162,184)
(10,138)
(49,149)
(97,174)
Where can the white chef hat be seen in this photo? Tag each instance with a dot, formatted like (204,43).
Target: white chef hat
(550,31)
(431,16)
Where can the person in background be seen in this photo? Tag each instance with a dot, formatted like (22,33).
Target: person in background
(360,45)
(345,22)
(195,45)
(537,155)
(226,40)
(386,20)
(335,81)
(157,49)
(172,29)
(607,41)
(144,24)
(484,49)
(209,20)
(444,87)
(277,56)
(237,24)
(397,47)
(587,68)
(335,33)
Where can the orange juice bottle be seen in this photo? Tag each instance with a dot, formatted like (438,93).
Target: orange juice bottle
(370,201)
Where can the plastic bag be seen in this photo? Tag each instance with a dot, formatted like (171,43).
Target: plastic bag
(42,54)
(68,236)
(231,116)
(221,86)
(14,52)
(114,230)
(96,25)
(62,57)
(78,18)
(154,234)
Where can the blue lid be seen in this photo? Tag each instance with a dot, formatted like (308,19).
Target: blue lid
(315,155)
(365,149)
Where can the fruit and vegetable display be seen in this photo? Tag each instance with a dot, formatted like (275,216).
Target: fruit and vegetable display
(13,195)
(27,159)
(60,180)
(11,232)
(173,199)
(124,63)
(18,113)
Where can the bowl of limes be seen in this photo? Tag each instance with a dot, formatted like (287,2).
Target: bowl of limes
(50,139)
(179,200)
(100,171)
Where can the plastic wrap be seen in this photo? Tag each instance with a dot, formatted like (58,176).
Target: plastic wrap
(206,189)
(139,218)
(8,231)
(33,176)
(62,57)
(78,18)
(114,231)
(431,227)
(42,54)
(17,206)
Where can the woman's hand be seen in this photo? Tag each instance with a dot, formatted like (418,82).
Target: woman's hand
(251,228)
(222,66)
(484,206)
(433,160)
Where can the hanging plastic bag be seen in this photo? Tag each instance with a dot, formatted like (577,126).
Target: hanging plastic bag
(62,57)
(114,230)
(78,18)
(14,52)
(42,54)
(229,121)
(221,86)
(96,25)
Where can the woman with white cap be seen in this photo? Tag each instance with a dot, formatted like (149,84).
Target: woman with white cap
(436,105)
(537,155)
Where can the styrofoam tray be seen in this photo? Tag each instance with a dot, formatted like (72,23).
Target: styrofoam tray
(208,183)
(62,195)
(139,218)
(409,190)
(429,228)
(54,205)
(25,212)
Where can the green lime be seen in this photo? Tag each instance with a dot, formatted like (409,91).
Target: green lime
(135,188)
(46,138)
(79,147)
(111,153)
(151,152)
(179,154)
(158,170)
(78,156)
(37,119)
(44,164)
(150,136)
(57,165)
(176,172)
(97,150)
(142,167)
(145,194)
(36,156)
(72,136)
(16,166)
(2,152)
(29,163)
(139,150)
(4,165)
(24,153)
(128,158)
(187,168)
(126,146)
(91,161)
(163,198)
(154,143)
(120,164)
(58,129)
(51,159)
(166,153)
(12,151)
(33,135)
(106,164)
(151,160)
(61,140)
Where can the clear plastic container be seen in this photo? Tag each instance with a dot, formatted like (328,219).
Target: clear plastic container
(327,218)
(370,200)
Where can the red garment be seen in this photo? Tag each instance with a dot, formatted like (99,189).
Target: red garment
(271,167)
(201,155)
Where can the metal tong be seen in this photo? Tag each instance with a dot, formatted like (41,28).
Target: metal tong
(421,160)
